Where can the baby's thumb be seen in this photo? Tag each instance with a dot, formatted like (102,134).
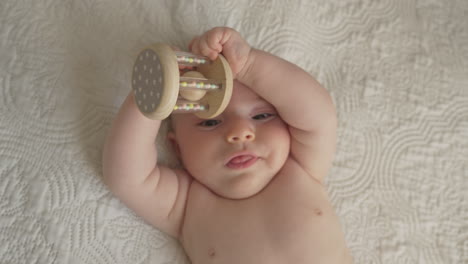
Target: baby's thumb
(192,42)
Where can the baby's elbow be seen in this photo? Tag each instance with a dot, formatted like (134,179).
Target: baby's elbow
(113,184)
(110,174)
(107,178)
(106,170)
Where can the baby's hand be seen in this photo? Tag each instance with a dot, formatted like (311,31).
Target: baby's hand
(223,40)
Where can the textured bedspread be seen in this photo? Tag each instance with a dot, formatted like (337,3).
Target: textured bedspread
(397,71)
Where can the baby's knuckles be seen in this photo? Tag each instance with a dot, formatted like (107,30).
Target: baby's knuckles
(220,34)
(235,49)
(227,41)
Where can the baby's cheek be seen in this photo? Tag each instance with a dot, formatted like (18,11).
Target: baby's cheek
(191,160)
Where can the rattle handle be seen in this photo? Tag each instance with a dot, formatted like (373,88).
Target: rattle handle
(190,83)
(189,59)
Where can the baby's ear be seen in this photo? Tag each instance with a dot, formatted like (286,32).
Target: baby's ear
(175,146)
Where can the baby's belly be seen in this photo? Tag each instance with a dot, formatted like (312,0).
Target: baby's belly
(289,222)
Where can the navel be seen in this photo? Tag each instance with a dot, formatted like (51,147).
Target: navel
(212,253)
(318,212)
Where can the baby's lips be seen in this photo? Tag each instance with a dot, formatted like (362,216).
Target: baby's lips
(240,157)
(242,162)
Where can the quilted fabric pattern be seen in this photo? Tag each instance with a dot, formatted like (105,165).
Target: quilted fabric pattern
(397,71)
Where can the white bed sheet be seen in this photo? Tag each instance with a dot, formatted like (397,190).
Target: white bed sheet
(397,70)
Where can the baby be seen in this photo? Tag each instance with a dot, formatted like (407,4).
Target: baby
(251,190)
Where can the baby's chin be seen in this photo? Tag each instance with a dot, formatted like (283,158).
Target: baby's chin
(239,187)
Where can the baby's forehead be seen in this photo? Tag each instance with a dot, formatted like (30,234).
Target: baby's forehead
(250,104)
(241,94)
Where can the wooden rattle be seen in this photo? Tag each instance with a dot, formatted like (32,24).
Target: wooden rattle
(160,90)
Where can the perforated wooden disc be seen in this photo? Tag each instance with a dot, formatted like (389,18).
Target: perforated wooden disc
(217,99)
(155,81)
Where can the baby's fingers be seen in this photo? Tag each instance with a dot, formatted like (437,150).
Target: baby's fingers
(192,43)
(206,49)
(199,45)
(213,39)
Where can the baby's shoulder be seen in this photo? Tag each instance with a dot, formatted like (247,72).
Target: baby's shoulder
(293,175)
(293,168)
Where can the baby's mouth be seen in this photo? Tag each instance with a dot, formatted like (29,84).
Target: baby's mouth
(242,161)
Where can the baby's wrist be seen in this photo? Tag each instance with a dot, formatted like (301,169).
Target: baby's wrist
(245,73)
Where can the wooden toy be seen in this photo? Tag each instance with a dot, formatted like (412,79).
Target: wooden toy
(162,88)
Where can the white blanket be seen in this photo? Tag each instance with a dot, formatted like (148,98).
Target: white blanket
(397,71)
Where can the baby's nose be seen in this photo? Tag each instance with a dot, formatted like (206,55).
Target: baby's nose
(240,135)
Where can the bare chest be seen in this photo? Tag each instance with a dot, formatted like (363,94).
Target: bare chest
(290,221)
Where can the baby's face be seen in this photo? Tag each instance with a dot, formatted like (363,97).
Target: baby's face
(237,153)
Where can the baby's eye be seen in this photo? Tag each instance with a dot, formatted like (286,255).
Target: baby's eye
(262,116)
(209,123)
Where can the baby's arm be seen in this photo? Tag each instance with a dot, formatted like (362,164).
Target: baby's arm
(154,192)
(299,99)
